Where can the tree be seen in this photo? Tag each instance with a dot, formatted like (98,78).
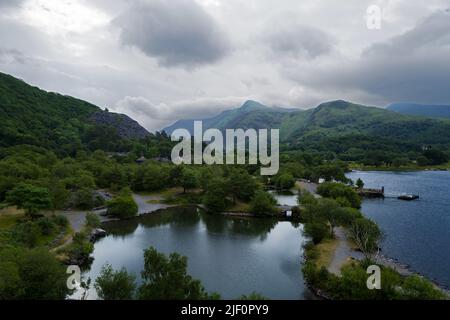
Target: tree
(339,190)
(188,180)
(435,156)
(123,206)
(59,194)
(32,274)
(215,195)
(115,285)
(263,204)
(359,183)
(30,198)
(84,199)
(241,185)
(285,181)
(166,278)
(317,231)
(366,235)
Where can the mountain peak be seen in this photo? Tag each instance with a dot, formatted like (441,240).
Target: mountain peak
(251,104)
(338,104)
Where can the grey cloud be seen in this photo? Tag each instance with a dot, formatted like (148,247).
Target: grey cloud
(10,3)
(298,41)
(175,32)
(413,66)
(160,115)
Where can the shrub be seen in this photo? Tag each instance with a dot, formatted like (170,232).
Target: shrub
(92,220)
(46,225)
(317,231)
(263,204)
(122,206)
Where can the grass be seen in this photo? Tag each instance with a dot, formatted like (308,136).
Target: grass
(326,251)
(9,217)
(239,206)
(175,196)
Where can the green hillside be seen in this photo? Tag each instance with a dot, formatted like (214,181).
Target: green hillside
(346,129)
(31,116)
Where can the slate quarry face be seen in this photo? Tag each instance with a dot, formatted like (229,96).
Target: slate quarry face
(126,127)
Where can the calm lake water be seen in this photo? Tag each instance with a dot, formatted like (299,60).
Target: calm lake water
(231,256)
(417,232)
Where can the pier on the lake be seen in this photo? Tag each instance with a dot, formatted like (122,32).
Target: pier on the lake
(371,193)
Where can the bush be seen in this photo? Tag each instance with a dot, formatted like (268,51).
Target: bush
(46,225)
(61,221)
(317,231)
(92,220)
(84,199)
(115,285)
(26,234)
(263,204)
(80,249)
(122,206)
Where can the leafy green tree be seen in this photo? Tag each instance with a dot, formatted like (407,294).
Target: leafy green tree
(317,231)
(123,206)
(31,275)
(166,278)
(215,198)
(115,285)
(59,194)
(340,191)
(263,204)
(435,156)
(84,199)
(241,185)
(188,180)
(285,181)
(30,198)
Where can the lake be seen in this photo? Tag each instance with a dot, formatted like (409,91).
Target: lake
(417,233)
(231,256)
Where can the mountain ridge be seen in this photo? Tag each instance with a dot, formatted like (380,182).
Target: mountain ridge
(418,109)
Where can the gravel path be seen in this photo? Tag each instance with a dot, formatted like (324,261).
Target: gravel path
(342,252)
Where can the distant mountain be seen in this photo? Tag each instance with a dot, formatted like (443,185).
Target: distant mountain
(336,126)
(29,115)
(251,114)
(426,110)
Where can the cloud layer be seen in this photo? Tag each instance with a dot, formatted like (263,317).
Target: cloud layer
(162,60)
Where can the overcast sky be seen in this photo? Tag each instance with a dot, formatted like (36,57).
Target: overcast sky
(161,60)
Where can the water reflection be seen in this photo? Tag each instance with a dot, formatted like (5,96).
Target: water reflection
(232,256)
(182,217)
